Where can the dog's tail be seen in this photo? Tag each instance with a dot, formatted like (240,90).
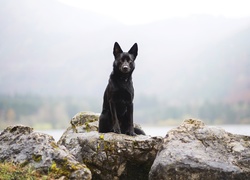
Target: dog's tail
(139,131)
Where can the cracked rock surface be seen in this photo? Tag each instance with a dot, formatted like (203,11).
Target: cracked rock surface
(195,151)
(109,155)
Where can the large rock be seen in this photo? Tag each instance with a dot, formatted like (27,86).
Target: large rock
(109,155)
(19,144)
(195,151)
(191,151)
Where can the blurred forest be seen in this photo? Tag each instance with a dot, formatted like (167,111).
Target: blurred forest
(55,61)
(55,113)
(41,112)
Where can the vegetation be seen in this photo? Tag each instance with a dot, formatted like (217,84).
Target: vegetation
(210,112)
(13,171)
(41,112)
(55,113)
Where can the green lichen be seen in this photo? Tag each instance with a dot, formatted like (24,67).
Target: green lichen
(109,147)
(64,167)
(54,168)
(101,137)
(37,157)
(87,126)
(54,145)
(98,147)
(74,129)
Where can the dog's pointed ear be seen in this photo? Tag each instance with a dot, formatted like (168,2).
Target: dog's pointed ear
(134,50)
(117,49)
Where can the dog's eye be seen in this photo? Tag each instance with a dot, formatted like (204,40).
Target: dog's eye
(128,60)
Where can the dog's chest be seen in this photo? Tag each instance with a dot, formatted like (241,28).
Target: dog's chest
(124,95)
(120,90)
(122,98)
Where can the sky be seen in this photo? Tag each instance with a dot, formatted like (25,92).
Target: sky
(132,12)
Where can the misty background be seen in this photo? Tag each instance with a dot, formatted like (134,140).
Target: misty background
(55,61)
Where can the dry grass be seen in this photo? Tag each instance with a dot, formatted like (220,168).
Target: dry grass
(10,171)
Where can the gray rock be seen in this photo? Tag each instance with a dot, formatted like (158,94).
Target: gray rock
(109,155)
(19,144)
(195,151)
(191,151)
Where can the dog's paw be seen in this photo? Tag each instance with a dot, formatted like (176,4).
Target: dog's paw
(131,133)
(117,130)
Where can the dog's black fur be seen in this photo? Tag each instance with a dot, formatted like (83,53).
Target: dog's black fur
(117,110)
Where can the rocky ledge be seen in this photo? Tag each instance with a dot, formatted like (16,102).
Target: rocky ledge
(195,151)
(109,155)
(190,151)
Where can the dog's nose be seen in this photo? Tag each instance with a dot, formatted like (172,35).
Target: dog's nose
(125,68)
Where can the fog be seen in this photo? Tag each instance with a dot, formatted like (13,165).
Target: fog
(51,49)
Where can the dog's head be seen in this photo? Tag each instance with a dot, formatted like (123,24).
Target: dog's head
(124,61)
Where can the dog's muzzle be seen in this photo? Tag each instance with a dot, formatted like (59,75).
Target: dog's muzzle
(125,68)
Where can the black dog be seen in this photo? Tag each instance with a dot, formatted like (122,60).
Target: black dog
(117,110)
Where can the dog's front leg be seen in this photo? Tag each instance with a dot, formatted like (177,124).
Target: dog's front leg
(130,110)
(115,121)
